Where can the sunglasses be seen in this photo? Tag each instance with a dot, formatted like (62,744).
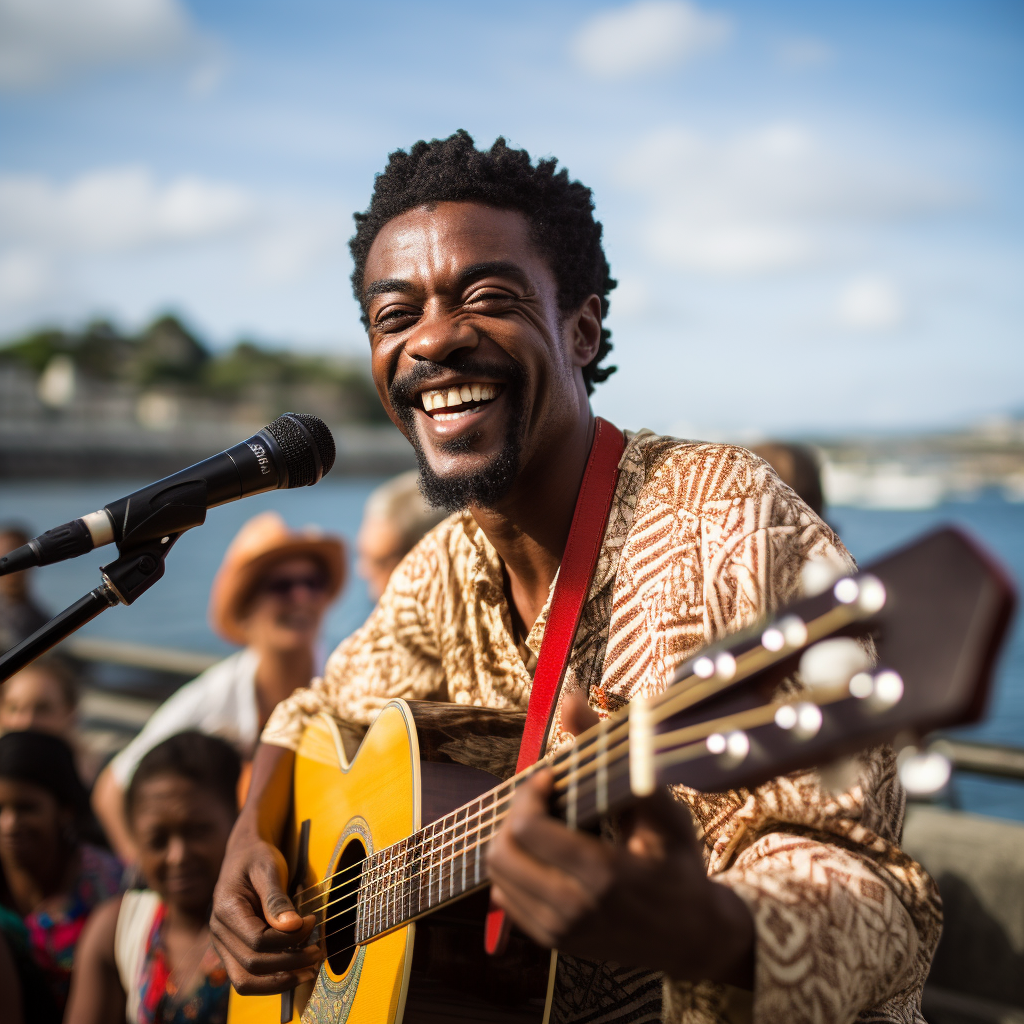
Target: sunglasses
(282,586)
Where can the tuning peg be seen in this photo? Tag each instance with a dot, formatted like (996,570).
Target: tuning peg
(882,690)
(723,666)
(818,574)
(867,593)
(923,773)
(803,719)
(832,662)
(790,631)
(888,690)
(732,747)
(808,720)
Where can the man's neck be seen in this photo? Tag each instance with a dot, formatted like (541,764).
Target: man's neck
(530,528)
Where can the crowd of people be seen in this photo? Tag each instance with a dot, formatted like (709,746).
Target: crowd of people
(111,867)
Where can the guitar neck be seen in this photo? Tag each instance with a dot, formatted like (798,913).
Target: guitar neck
(441,862)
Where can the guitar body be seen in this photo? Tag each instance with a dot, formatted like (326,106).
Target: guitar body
(417,762)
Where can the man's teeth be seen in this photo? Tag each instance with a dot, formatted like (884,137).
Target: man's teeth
(458,396)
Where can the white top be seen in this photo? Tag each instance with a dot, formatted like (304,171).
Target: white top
(220,702)
(134,921)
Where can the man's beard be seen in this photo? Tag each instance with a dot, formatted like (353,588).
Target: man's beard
(486,486)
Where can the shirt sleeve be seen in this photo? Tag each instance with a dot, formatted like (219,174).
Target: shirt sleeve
(187,708)
(394,654)
(845,922)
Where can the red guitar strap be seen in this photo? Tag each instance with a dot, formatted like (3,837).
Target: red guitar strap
(574,575)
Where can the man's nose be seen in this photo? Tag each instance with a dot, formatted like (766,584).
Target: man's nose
(439,334)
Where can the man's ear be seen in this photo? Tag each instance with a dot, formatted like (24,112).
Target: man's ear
(585,331)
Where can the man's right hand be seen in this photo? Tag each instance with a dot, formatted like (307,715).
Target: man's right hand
(255,927)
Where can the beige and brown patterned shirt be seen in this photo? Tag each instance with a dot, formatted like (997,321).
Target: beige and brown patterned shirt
(702,540)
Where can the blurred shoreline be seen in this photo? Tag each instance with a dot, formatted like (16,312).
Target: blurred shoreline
(79,449)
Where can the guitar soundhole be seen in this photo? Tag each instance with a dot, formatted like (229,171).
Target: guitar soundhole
(340,923)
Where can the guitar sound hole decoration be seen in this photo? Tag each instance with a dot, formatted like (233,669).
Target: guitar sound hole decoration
(341,930)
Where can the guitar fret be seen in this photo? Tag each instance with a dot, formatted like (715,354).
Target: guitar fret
(602,769)
(571,805)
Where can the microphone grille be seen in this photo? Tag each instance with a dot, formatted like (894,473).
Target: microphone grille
(300,455)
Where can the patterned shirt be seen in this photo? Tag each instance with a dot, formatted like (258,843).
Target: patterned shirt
(703,539)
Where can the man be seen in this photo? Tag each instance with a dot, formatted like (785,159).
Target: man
(483,286)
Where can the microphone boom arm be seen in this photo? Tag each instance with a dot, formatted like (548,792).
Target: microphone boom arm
(129,576)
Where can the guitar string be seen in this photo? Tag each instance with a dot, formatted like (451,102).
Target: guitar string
(760,715)
(663,706)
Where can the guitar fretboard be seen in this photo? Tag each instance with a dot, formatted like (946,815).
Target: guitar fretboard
(440,862)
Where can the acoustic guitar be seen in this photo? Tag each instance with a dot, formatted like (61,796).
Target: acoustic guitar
(389,838)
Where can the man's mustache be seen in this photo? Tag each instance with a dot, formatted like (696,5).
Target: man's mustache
(404,391)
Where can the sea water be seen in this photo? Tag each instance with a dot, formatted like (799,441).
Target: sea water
(173,613)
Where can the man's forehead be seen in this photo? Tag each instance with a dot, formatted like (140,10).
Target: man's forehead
(444,238)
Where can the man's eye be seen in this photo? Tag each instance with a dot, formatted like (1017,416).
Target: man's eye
(490,296)
(390,318)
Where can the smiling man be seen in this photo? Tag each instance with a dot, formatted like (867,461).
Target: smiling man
(484,285)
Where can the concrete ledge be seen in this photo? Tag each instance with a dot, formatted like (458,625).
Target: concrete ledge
(978,863)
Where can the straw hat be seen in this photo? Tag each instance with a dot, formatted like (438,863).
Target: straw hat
(263,541)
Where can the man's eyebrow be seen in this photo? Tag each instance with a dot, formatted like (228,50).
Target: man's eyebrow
(492,268)
(387,284)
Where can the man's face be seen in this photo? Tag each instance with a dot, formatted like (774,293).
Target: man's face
(470,354)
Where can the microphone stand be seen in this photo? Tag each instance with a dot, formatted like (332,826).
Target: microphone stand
(129,576)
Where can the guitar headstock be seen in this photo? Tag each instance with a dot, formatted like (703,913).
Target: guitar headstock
(936,613)
(899,649)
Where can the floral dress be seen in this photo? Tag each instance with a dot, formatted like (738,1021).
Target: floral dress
(53,932)
(165,997)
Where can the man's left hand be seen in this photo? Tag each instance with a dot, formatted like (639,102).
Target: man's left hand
(646,902)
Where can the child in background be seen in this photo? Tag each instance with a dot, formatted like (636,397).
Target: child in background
(146,957)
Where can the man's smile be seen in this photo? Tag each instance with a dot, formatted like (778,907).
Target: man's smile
(458,401)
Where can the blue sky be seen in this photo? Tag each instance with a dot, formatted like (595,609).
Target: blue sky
(814,210)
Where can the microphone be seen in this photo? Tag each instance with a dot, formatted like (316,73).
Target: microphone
(296,450)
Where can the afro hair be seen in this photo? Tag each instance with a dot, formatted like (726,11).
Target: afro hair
(560,212)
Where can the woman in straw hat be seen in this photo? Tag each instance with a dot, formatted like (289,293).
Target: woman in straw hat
(270,595)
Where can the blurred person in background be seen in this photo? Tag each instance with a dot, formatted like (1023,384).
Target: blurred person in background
(50,878)
(146,956)
(20,616)
(797,467)
(269,595)
(396,516)
(44,697)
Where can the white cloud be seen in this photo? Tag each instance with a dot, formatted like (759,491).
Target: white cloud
(187,239)
(117,209)
(45,41)
(870,303)
(764,200)
(646,36)
(803,53)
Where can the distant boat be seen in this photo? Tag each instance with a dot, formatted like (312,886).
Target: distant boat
(887,486)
